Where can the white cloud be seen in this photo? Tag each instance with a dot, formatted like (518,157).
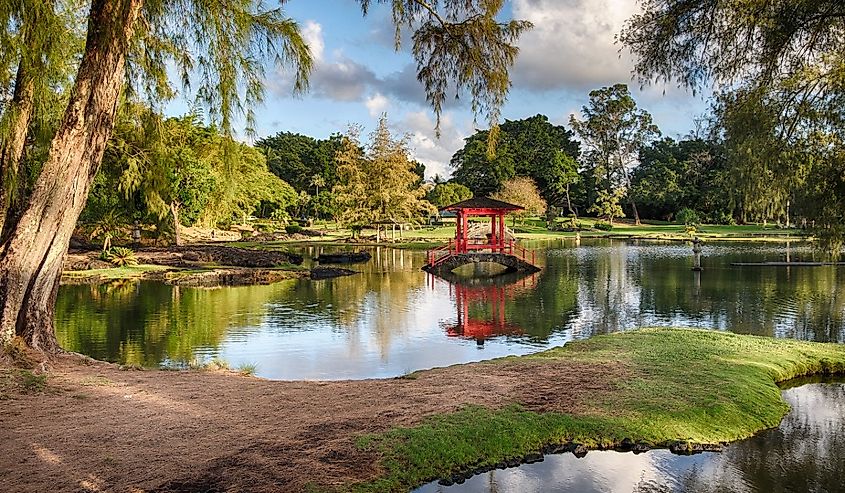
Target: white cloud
(426,148)
(377,104)
(572,43)
(313,35)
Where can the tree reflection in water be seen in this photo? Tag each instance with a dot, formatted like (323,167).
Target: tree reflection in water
(387,320)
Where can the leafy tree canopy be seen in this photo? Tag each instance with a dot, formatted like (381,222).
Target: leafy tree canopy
(696,41)
(298,159)
(378,183)
(690,173)
(522,191)
(530,147)
(781,64)
(154,166)
(449,193)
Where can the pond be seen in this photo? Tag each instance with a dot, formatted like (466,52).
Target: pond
(392,318)
(803,454)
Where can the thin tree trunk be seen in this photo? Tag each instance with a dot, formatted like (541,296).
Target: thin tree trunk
(31,265)
(20,113)
(634,208)
(177,226)
(569,202)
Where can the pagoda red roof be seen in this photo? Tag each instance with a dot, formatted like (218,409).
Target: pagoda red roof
(483,203)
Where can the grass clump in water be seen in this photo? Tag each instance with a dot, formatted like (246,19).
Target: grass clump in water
(248,368)
(682,385)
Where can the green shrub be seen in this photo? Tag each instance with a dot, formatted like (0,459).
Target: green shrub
(722,218)
(603,226)
(293,229)
(122,257)
(688,217)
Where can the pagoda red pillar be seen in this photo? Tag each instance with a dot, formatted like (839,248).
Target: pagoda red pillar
(493,234)
(501,232)
(466,237)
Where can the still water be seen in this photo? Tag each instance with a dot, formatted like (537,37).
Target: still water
(804,454)
(392,318)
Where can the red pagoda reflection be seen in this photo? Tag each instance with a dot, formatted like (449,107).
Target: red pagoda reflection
(481,304)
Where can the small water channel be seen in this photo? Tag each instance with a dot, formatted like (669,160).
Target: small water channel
(392,318)
(804,454)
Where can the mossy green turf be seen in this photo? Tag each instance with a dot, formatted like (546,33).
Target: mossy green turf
(685,385)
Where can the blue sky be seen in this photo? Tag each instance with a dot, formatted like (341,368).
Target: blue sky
(358,75)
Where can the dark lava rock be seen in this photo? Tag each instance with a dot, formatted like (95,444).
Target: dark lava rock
(88,264)
(318,273)
(344,258)
(235,276)
(81,244)
(100,264)
(686,448)
(532,458)
(80,265)
(580,451)
(181,256)
(639,448)
(558,448)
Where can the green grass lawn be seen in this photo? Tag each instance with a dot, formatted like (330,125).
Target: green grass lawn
(685,385)
(116,273)
(425,237)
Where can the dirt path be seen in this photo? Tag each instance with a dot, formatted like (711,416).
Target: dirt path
(99,428)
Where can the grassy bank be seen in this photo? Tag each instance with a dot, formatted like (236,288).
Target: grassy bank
(207,276)
(426,237)
(132,272)
(693,386)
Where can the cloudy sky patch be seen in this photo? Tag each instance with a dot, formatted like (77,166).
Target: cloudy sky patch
(358,76)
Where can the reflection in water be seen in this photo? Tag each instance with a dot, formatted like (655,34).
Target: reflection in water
(480,303)
(389,320)
(803,454)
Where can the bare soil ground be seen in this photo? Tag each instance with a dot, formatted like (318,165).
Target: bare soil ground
(95,427)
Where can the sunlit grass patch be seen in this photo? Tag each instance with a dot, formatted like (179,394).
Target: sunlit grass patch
(685,386)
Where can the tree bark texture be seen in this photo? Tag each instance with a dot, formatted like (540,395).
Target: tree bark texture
(31,264)
(11,150)
(177,226)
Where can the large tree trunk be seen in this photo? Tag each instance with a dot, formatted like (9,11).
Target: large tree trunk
(31,265)
(11,149)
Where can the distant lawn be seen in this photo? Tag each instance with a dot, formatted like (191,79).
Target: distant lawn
(423,237)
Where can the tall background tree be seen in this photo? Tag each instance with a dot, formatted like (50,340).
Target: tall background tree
(690,173)
(531,147)
(612,130)
(224,45)
(379,184)
(784,59)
